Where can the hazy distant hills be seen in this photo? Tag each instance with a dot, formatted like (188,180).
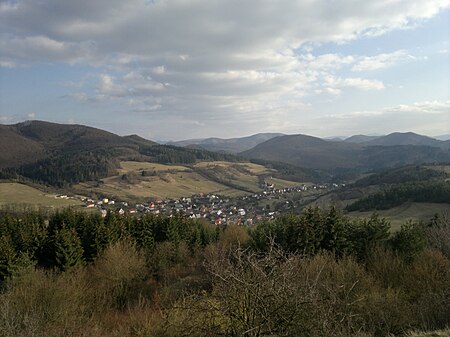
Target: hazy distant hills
(443,137)
(361,152)
(53,153)
(407,138)
(360,139)
(232,145)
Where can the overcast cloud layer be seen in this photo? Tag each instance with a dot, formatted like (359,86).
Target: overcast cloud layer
(192,68)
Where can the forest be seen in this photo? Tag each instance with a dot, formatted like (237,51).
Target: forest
(62,169)
(319,273)
(425,191)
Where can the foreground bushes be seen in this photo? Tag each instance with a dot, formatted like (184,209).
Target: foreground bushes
(297,276)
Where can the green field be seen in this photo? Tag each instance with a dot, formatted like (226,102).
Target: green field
(172,181)
(409,211)
(19,194)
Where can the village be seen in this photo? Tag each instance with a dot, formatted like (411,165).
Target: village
(218,209)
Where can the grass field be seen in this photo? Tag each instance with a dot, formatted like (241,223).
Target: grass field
(252,168)
(127,166)
(409,211)
(170,181)
(19,194)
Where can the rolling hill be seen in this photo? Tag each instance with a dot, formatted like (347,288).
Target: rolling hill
(407,138)
(65,156)
(232,145)
(360,139)
(60,154)
(387,151)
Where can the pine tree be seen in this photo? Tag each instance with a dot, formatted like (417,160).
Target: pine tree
(68,249)
(7,256)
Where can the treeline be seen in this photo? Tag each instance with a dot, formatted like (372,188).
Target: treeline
(402,175)
(63,169)
(291,172)
(168,154)
(70,238)
(436,192)
(320,273)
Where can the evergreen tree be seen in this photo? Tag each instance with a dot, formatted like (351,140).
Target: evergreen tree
(68,250)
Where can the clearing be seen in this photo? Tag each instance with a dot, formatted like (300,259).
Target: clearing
(19,194)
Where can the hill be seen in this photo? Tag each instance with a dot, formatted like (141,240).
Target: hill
(16,149)
(86,159)
(140,180)
(305,151)
(407,138)
(61,154)
(316,153)
(360,139)
(232,145)
(443,137)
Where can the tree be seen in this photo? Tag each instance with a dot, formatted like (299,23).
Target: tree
(68,249)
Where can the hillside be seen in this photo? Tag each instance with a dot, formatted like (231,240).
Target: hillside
(306,151)
(139,180)
(60,155)
(232,145)
(16,149)
(312,152)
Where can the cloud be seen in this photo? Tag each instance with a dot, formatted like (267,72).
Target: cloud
(427,117)
(210,61)
(381,61)
(353,82)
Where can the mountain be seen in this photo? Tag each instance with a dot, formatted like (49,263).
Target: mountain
(443,137)
(316,153)
(306,151)
(360,139)
(60,154)
(407,138)
(232,145)
(16,149)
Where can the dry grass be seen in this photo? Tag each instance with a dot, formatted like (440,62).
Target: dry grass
(173,181)
(438,333)
(253,168)
(14,193)
(413,211)
(126,166)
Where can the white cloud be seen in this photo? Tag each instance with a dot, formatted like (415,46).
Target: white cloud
(381,61)
(428,117)
(356,82)
(207,60)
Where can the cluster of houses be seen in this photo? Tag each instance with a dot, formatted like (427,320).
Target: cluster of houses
(217,209)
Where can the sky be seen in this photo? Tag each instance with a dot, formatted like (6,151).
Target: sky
(180,69)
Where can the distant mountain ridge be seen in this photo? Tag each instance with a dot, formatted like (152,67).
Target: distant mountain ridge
(230,145)
(360,139)
(361,152)
(56,152)
(407,138)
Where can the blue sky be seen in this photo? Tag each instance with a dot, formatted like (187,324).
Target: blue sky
(177,69)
